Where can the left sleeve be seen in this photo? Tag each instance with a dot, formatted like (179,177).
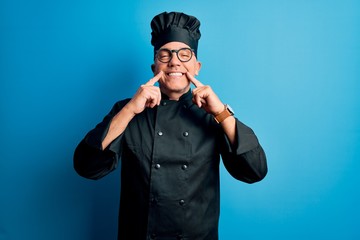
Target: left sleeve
(246,160)
(90,160)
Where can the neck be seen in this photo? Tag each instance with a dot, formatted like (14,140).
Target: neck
(175,95)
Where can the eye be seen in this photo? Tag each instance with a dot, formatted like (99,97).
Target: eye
(163,55)
(185,54)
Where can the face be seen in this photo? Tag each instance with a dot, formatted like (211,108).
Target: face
(174,83)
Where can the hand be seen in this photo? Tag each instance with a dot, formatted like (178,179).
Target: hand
(147,95)
(204,97)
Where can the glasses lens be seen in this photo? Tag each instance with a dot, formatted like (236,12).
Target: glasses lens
(185,54)
(164,55)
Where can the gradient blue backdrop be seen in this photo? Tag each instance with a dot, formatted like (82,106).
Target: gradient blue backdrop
(290,69)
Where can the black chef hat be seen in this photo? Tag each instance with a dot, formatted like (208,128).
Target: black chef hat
(175,26)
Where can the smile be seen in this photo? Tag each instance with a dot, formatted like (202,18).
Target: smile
(175,74)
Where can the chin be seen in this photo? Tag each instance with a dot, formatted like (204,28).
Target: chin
(177,89)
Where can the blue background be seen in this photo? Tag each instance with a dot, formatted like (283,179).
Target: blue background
(290,69)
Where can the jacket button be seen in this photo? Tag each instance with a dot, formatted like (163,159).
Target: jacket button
(164,103)
(157,166)
(153,201)
(186,134)
(153,236)
(182,202)
(160,133)
(184,167)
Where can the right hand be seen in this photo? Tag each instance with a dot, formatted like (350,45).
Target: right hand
(147,95)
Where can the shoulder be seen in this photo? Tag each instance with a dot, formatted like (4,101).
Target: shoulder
(121,103)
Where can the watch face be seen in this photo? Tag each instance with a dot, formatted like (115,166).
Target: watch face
(230,109)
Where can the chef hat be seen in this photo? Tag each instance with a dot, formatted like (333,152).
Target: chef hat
(175,26)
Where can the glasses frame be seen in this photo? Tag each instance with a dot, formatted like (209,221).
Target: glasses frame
(174,51)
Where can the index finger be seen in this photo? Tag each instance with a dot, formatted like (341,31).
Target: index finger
(194,81)
(155,79)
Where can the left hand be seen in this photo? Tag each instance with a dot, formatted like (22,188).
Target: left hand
(204,97)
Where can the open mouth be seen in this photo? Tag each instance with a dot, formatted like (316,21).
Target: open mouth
(175,74)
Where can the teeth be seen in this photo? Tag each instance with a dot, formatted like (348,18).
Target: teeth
(175,74)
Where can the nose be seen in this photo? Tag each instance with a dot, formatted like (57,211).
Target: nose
(174,61)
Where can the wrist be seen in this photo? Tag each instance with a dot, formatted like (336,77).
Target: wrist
(224,114)
(219,110)
(128,110)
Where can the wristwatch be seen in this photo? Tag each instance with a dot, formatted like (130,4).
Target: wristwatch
(224,114)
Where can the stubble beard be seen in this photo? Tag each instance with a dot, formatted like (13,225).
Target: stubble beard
(176,90)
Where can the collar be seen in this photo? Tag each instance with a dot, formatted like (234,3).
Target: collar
(185,96)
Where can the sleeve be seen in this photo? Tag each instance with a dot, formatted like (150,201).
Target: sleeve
(90,160)
(246,160)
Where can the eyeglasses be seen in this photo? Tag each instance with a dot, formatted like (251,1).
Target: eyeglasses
(165,55)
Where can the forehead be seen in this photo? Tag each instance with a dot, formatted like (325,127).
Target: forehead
(175,45)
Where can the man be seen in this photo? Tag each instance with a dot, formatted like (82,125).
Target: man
(169,140)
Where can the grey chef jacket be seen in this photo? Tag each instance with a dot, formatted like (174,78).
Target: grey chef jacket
(170,168)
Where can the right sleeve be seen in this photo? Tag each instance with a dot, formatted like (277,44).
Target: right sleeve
(90,160)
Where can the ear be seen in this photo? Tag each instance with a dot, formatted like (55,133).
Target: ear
(198,67)
(153,68)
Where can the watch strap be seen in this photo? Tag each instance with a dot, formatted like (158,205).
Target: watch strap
(223,115)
